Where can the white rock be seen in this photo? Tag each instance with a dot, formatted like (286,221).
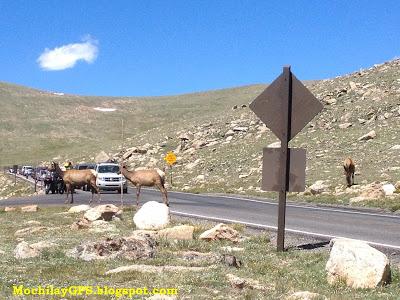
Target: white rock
(395,147)
(79,208)
(23,250)
(318,187)
(240,128)
(201,177)
(345,125)
(152,215)
(388,189)
(370,135)
(357,264)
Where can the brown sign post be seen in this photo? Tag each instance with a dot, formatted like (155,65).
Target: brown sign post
(285,106)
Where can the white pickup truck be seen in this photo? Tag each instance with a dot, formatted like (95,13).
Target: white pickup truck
(109,178)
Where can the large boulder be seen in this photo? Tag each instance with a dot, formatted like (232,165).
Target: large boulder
(102,212)
(357,264)
(152,215)
(220,232)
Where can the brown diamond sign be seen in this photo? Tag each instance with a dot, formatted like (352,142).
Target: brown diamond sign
(269,106)
(286,106)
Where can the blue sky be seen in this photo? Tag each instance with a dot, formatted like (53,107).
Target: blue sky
(145,48)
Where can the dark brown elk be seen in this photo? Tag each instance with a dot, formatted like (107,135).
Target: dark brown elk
(151,177)
(349,169)
(77,178)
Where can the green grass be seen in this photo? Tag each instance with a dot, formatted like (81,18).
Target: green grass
(287,272)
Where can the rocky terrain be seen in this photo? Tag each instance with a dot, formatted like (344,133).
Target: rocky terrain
(111,246)
(360,119)
(8,189)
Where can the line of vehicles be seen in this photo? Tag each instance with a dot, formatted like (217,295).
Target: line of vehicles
(109,177)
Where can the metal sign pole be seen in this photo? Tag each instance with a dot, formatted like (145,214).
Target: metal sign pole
(284,157)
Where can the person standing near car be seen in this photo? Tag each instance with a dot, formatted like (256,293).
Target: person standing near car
(68,166)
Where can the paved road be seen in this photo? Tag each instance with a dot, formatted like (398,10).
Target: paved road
(325,223)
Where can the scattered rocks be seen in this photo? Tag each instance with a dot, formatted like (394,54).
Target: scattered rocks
(220,232)
(370,135)
(152,215)
(357,264)
(102,212)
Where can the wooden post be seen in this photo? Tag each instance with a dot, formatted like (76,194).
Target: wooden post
(122,146)
(284,158)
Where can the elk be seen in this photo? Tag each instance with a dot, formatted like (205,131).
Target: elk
(151,177)
(349,169)
(77,178)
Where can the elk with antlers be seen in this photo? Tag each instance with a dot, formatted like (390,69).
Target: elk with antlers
(349,169)
(77,178)
(151,177)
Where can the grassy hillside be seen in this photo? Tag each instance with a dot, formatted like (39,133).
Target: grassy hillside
(37,125)
(219,156)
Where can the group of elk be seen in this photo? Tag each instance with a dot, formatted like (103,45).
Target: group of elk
(151,177)
(78,178)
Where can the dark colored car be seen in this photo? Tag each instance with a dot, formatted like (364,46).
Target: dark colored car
(54,183)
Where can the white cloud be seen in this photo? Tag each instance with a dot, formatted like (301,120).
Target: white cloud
(66,56)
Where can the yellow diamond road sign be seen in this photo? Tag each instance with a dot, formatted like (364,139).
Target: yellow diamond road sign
(170,158)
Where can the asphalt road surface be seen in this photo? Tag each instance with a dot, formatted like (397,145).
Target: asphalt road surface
(382,229)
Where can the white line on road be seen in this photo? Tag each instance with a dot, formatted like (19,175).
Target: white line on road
(295,206)
(275,228)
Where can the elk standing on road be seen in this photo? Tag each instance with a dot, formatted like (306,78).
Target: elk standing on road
(77,178)
(349,169)
(151,177)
